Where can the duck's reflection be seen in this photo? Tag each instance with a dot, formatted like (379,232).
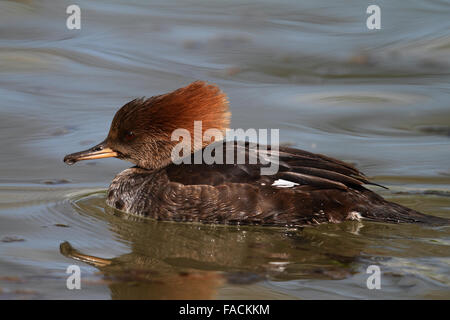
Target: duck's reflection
(191,261)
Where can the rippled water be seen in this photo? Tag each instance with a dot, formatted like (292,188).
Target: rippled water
(379,99)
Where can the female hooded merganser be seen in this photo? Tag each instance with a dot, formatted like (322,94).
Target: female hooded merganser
(322,189)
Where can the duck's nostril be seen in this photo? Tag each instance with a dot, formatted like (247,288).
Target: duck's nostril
(99,148)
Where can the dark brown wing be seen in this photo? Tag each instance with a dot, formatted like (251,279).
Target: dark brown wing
(322,167)
(295,165)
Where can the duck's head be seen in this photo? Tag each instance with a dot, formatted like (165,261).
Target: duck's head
(141,130)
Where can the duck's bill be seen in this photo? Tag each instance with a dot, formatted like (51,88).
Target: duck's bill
(97,152)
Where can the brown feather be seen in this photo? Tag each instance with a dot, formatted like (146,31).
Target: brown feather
(199,101)
(152,122)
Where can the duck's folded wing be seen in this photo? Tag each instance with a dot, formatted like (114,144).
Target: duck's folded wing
(248,161)
(319,170)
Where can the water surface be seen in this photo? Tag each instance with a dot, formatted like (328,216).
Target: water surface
(379,99)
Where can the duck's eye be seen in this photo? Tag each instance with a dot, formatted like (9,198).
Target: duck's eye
(129,135)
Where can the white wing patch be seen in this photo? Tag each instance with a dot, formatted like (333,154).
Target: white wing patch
(281,183)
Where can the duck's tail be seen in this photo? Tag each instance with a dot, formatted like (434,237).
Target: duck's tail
(385,211)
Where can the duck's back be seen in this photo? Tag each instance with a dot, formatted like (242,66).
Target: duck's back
(306,189)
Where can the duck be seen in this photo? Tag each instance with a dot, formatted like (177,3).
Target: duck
(305,189)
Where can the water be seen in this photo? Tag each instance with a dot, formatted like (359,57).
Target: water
(380,99)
